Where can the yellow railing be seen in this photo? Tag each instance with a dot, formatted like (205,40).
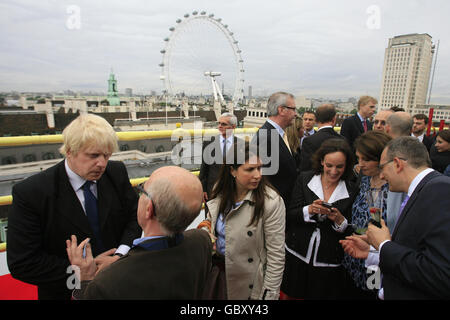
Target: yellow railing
(7,200)
(122,136)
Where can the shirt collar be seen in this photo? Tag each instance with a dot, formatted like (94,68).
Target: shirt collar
(140,240)
(417,180)
(315,185)
(311,132)
(229,139)
(360,117)
(325,127)
(279,129)
(75,180)
(419,137)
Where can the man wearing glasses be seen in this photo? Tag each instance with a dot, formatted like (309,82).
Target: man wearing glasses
(276,156)
(167,262)
(380,119)
(415,260)
(214,151)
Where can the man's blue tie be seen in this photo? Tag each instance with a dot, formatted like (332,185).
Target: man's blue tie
(90,205)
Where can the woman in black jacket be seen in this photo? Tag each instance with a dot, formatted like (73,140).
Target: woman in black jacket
(313,254)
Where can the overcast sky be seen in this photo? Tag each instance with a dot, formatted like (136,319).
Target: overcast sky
(310,48)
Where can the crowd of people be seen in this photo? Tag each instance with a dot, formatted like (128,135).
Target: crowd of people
(294,213)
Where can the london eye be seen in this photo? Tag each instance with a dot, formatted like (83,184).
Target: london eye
(198,47)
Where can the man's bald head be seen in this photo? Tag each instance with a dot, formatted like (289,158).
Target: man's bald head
(177,197)
(380,119)
(399,124)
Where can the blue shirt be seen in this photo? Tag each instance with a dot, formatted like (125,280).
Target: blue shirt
(220,231)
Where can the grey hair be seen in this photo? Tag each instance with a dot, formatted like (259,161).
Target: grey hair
(233,118)
(277,99)
(400,126)
(410,149)
(171,212)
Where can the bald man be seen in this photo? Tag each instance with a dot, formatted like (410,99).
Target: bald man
(168,202)
(380,119)
(399,124)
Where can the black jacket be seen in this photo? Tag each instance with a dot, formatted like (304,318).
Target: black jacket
(46,212)
(299,232)
(312,143)
(352,128)
(416,263)
(280,160)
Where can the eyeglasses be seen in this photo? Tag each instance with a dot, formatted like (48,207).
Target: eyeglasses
(224,124)
(381,166)
(292,108)
(383,122)
(142,191)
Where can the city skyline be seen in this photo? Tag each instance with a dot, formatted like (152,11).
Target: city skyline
(311,49)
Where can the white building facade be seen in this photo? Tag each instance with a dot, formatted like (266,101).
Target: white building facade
(406,71)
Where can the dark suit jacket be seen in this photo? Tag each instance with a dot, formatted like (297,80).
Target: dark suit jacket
(284,179)
(178,272)
(312,143)
(352,128)
(428,142)
(299,232)
(210,172)
(46,212)
(416,263)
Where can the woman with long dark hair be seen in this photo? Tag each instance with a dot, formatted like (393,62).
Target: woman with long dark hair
(440,151)
(246,219)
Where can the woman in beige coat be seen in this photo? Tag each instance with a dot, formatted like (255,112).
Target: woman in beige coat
(246,220)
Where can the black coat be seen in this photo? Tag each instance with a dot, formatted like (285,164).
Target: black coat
(352,128)
(299,232)
(312,143)
(209,172)
(281,161)
(174,273)
(46,212)
(416,263)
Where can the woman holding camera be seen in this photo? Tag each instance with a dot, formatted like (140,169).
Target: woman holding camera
(318,217)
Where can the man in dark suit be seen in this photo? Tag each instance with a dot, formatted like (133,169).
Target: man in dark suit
(326,119)
(211,164)
(165,263)
(356,125)
(418,130)
(309,121)
(415,261)
(84,195)
(278,161)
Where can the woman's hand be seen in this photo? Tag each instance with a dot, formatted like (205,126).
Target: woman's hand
(317,208)
(335,216)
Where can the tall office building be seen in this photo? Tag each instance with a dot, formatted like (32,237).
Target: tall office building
(406,71)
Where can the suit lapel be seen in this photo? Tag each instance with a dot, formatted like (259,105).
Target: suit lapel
(359,124)
(68,202)
(105,189)
(412,199)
